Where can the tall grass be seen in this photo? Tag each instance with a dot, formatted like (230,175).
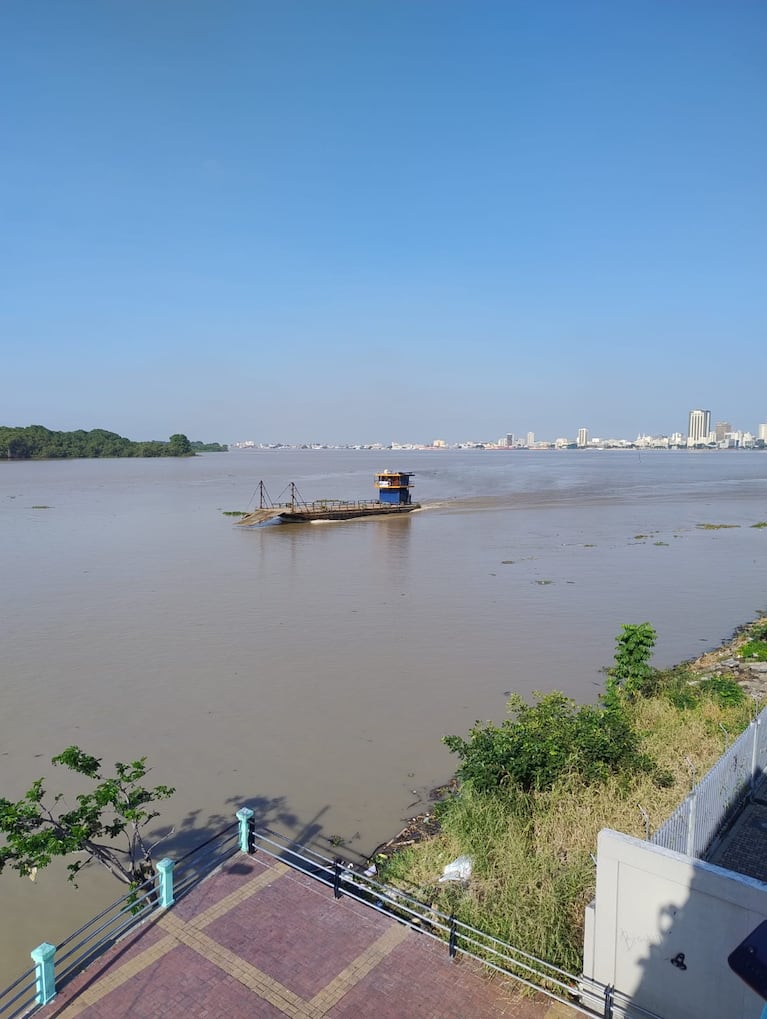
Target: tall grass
(532,852)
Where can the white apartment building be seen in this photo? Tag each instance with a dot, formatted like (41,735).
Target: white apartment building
(699,427)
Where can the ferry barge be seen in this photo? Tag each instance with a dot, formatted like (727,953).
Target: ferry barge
(394,498)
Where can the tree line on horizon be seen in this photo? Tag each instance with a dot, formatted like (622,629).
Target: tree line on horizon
(35,442)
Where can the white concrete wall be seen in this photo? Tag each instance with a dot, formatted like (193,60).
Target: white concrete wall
(652,904)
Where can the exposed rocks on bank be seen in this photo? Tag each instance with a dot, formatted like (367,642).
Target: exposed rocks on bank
(726,661)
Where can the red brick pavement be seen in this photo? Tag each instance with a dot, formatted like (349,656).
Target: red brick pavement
(260,940)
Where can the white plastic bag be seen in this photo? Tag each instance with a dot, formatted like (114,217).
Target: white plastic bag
(458,870)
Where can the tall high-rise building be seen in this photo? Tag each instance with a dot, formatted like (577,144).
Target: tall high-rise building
(721,429)
(583,437)
(763,431)
(531,438)
(698,427)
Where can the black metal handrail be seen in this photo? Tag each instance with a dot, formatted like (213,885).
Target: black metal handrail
(460,937)
(133,909)
(121,917)
(26,984)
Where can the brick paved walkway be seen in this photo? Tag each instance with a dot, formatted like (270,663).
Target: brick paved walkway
(261,940)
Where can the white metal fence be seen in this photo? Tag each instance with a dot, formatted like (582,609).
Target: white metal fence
(698,820)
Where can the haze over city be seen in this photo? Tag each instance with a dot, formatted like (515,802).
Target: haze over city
(366,222)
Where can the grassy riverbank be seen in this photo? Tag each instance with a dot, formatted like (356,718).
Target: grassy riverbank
(533,872)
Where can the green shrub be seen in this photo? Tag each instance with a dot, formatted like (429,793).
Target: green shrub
(543,741)
(683,698)
(755,649)
(685,692)
(723,690)
(631,670)
(539,787)
(678,686)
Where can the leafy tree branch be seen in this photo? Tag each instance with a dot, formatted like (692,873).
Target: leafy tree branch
(107,825)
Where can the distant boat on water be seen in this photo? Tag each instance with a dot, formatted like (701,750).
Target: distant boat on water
(394,498)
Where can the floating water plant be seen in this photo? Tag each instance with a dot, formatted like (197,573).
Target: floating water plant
(716,527)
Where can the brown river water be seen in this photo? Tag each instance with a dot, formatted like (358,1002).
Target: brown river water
(310,670)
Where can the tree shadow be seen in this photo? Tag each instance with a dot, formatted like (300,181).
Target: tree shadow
(197,827)
(200,842)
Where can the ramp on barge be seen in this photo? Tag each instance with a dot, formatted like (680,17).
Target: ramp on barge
(258,517)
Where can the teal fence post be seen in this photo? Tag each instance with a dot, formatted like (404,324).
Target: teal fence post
(165,872)
(42,957)
(245,816)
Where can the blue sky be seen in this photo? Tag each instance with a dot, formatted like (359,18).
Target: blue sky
(376,220)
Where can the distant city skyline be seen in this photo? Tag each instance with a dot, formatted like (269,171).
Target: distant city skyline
(350,220)
(698,433)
